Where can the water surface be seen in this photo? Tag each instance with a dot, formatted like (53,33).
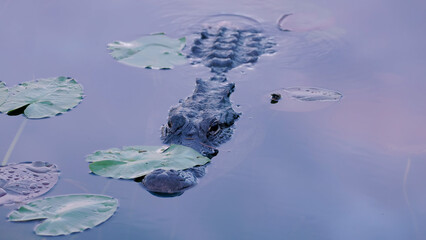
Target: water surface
(351,170)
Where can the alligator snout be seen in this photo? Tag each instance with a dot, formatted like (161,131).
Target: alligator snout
(210,153)
(172,183)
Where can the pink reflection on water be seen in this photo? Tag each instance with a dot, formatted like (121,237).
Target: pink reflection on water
(386,115)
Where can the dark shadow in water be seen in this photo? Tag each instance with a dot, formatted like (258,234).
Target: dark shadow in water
(167,195)
(18,111)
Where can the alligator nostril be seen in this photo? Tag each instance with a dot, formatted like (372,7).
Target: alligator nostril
(215,152)
(210,153)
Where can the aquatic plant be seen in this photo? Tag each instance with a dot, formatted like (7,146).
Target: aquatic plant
(310,94)
(43,98)
(156,51)
(4,93)
(37,99)
(22,181)
(137,161)
(66,214)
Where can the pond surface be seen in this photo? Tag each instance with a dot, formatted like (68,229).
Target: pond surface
(354,169)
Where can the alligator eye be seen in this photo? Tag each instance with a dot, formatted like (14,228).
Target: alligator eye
(176,122)
(214,129)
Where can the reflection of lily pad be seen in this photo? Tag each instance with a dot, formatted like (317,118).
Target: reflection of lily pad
(155,51)
(4,93)
(43,98)
(66,214)
(23,181)
(312,94)
(138,161)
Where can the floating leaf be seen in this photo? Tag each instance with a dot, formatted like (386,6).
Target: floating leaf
(155,51)
(4,93)
(23,181)
(138,161)
(302,99)
(312,94)
(44,97)
(66,214)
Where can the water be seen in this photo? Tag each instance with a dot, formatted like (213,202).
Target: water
(349,170)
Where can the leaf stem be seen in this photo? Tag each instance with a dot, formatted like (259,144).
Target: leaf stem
(15,140)
(404,189)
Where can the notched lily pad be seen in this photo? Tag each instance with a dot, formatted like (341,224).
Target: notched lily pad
(302,99)
(156,51)
(23,181)
(4,93)
(43,98)
(137,161)
(66,214)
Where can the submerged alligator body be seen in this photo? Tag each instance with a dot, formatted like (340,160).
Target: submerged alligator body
(204,120)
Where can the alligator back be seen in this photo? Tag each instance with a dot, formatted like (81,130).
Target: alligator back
(222,48)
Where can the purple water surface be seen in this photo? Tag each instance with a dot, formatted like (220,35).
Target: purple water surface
(352,170)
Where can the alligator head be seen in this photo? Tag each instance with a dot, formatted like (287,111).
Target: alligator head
(204,120)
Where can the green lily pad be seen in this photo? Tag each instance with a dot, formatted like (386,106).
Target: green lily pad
(43,98)
(66,214)
(137,161)
(155,51)
(4,93)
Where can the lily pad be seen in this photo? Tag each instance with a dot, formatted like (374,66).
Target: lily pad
(66,214)
(23,181)
(43,98)
(155,51)
(137,161)
(4,93)
(302,99)
(312,94)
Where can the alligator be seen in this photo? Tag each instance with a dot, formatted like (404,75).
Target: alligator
(205,120)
